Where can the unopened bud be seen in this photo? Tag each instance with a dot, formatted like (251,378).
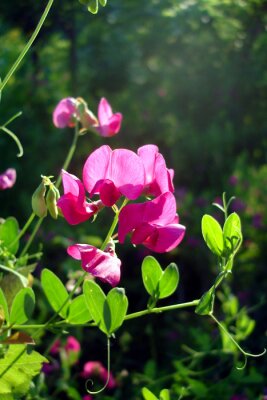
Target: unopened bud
(51,201)
(38,201)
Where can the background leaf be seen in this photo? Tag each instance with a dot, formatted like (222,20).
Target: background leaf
(55,291)
(9,230)
(78,311)
(16,380)
(4,305)
(22,306)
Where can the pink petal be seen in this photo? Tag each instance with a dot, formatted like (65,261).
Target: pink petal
(148,155)
(108,192)
(126,170)
(8,179)
(104,111)
(100,264)
(64,112)
(96,167)
(165,238)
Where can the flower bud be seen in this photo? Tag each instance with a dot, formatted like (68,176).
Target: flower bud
(38,201)
(51,201)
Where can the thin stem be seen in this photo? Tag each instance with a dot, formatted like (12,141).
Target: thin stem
(12,118)
(29,242)
(28,45)
(70,153)
(23,230)
(108,370)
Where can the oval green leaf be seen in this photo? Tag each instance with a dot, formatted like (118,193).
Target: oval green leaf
(95,299)
(93,6)
(22,306)
(78,311)
(55,292)
(169,281)
(148,395)
(164,394)
(9,231)
(151,274)
(212,234)
(232,233)
(115,309)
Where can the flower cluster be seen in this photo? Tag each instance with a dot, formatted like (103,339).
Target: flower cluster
(70,110)
(110,175)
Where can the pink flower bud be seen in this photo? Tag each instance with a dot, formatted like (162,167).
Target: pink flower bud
(8,179)
(65,113)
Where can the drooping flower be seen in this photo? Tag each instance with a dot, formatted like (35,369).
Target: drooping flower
(158,178)
(8,179)
(109,123)
(154,224)
(113,173)
(104,265)
(65,112)
(73,203)
(96,369)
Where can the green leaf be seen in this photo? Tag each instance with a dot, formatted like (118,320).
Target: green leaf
(16,380)
(22,306)
(9,231)
(206,303)
(95,299)
(212,234)
(232,233)
(3,304)
(115,309)
(103,2)
(148,395)
(78,311)
(151,274)
(93,6)
(55,292)
(164,394)
(169,281)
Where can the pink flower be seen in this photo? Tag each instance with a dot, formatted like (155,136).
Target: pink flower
(96,368)
(87,397)
(153,223)
(158,178)
(72,345)
(73,204)
(55,347)
(8,179)
(113,173)
(101,264)
(65,112)
(109,123)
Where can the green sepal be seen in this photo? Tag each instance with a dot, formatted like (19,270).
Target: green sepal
(212,234)
(78,311)
(38,201)
(22,306)
(206,303)
(9,231)
(51,201)
(55,292)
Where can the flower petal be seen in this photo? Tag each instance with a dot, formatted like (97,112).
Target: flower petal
(96,167)
(64,112)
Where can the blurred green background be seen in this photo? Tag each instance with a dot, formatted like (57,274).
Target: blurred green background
(189,76)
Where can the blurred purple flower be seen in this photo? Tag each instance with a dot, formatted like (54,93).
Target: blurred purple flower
(239,397)
(238,205)
(8,179)
(257,221)
(233,180)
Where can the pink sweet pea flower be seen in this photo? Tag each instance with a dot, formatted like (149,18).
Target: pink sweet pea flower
(87,397)
(153,223)
(8,179)
(73,204)
(96,368)
(104,265)
(109,123)
(65,112)
(72,345)
(158,178)
(113,173)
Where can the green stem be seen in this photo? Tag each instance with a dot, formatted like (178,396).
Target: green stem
(13,118)
(29,242)
(70,153)
(28,45)
(23,230)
